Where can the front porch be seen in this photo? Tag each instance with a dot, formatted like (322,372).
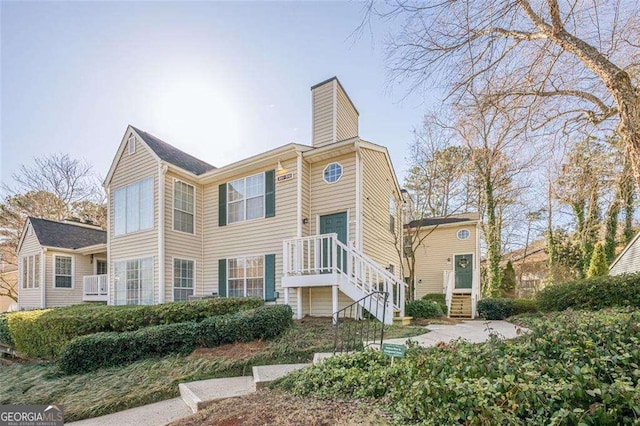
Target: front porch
(95,288)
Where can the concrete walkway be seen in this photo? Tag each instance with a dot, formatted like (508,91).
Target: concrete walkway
(472,331)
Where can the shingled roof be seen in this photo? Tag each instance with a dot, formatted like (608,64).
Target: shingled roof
(66,235)
(173,155)
(443,220)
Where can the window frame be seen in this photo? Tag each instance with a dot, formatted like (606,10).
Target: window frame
(461,230)
(392,215)
(173,278)
(55,272)
(245,199)
(324,171)
(173,210)
(28,265)
(131,151)
(95,267)
(140,278)
(123,190)
(244,277)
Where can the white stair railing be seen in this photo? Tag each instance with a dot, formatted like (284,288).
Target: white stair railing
(448,284)
(359,275)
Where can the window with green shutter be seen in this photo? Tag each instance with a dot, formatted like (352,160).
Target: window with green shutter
(248,198)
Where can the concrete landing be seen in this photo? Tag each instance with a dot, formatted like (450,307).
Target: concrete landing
(265,374)
(200,394)
(159,413)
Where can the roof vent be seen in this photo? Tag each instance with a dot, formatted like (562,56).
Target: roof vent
(131,145)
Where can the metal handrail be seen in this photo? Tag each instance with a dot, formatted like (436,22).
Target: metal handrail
(352,332)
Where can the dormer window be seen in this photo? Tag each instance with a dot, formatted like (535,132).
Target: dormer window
(131,145)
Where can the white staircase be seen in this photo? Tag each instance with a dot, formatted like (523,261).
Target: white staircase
(322,260)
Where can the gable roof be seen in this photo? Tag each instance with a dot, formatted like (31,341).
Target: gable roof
(442,220)
(173,155)
(66,235)
(624,250)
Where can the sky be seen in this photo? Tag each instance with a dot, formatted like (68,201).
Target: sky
(221,81)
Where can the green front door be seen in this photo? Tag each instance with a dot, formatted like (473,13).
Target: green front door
(464,270)
(329,224)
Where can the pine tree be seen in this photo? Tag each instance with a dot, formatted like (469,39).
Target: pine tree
(509,280)
(598,265)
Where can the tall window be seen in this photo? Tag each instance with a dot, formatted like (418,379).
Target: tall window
(133,282)
(183,279)
(183,207)
(246,277)
(101,267)
(63,272)
(134,207)
(31,271)
(245,198)
(392,215)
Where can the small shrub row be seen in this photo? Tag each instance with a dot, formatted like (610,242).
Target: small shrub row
(45,333)
(591,293)
(5,334)
(500,308)
(439,298)
(423,309)
(88,353)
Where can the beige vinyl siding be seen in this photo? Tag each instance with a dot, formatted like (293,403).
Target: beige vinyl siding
(327,198)
(306,198)
(81,266)
(378,186)
(323,110)
(29,298)
(629,262)
(250,238)
(12,279)
(321,302)
(179,244)
(347,117)
(435,255)
(132,168)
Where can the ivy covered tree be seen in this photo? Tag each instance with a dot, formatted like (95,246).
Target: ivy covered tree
(598,266)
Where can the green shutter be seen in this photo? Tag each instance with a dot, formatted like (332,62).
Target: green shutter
(222,277)
(270,277)
(222,204)
(270,193)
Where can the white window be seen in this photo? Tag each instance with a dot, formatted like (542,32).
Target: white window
(131,145)
(133,281)
(30,271)
(245,198)
(246,277)
(63,266)
(134,207)
(392,215)
(332,173)
(183,207)
(183,279)
(463,234)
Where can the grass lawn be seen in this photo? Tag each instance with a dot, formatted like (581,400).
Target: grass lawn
(114,389)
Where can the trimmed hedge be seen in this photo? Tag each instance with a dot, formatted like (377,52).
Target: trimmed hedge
(5,334)
(423,309)
(439,298)
(495,308)
(88,353)
(524,306)
(45,333)
(591,293)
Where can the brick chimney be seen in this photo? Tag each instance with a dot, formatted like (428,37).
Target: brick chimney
(334,117)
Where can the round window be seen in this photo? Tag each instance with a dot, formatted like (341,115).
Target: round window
(463,234)
(332,173)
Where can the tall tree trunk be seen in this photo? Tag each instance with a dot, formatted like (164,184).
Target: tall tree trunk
(492,234)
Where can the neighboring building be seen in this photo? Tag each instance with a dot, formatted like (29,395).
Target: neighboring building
(61,264)
(312,226)
(8,277)
(531,265)
(628,261)
(447,261)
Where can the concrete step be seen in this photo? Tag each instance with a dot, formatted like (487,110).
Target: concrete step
(200,394)
(265,374)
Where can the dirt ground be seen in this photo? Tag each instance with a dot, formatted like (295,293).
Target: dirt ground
(237,351)
(275,407)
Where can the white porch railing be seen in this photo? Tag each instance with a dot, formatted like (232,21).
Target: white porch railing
(324,260)
(95,288)
(448,284)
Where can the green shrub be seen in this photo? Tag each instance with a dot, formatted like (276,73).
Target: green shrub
(591,293)
(44,333)
(5,334)
(423,309)
(495,308)
(524,306)
(573,368)
(87,353)
(439,298)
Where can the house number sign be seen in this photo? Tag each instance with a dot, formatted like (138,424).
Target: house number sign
(284,177)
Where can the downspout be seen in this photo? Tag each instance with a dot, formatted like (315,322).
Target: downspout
(162,170)
(43,281)
(358,198)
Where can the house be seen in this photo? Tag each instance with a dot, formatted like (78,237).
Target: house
(447,260)
(531,265)
(628,261)
(61,264)
(8,279)
(314,226)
